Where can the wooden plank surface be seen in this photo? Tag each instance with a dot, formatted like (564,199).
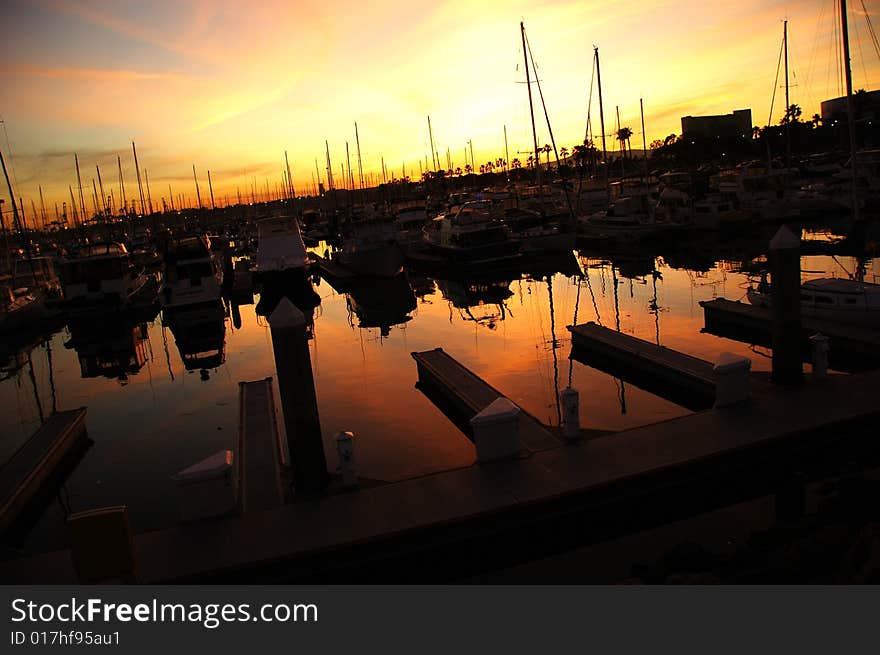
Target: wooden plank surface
(258,448)
(471,394)
(22,475)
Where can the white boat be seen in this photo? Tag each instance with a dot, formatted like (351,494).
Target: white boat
(831,299)
(470,234)
(280,248)
(193,276)
(370,250)
(102,276)
(282,267)
(21,311)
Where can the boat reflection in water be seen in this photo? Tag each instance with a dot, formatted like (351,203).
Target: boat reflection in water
(380,302)
(478,300)
(200,334)
(115,347)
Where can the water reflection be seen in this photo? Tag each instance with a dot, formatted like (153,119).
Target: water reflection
(508,328)
(200,334)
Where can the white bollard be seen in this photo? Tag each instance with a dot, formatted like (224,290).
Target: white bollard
(571,419)
(731,379)
(208,488)
(345,451)
(496,430)
(820,347)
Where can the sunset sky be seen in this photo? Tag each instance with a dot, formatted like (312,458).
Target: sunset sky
(229,86)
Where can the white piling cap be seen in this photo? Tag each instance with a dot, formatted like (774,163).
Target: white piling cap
(499,410)
(344,435)
(784,239)
(728,361)
(286,314)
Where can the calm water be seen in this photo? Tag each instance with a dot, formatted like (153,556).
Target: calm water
(156,417)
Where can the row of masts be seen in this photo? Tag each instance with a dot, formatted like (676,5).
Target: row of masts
(105,205)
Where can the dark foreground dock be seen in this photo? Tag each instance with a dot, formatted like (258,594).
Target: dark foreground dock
(853,348)
(459,523)
(674,375)
(38,461)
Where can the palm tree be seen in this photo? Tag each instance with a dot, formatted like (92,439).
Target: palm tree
(563,152)
(547,148)
(623,135)
(515,163)
(816,120)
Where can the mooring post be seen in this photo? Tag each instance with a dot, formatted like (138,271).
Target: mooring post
(785,264)
(296,387)
(820,346)
(571,420)
(345,452)
(731,379)
(496,430)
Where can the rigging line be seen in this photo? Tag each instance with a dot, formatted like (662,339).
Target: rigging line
(811,62)
(553,350)
(549,129)
(776,83)
(590,102)
(574,321)
(871,29)
(861,53)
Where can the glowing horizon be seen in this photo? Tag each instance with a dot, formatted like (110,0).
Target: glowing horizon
(229,88)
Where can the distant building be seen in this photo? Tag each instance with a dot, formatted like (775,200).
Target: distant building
(737,124)
(866,106)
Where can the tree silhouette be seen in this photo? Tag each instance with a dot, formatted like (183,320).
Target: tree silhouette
(515,163)
(623,135)
(792,115)
(547,148)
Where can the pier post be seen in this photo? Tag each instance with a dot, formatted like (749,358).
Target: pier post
(345,451)
(102,546)
(496,430)
(820,348)
(731,379)
(785,262)
(571,420)
(296,387)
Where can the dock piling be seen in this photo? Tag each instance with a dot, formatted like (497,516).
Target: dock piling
(785,259)
(571,420)
(731,379)
(820,346)
(496,430)
(296,386)
(345,451)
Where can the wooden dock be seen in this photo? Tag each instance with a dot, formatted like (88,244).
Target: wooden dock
(456,524)
(39,459)
(465,394)
(673,375)
(853,348)
(258,448)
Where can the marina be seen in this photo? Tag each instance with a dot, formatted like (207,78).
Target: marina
(578,353)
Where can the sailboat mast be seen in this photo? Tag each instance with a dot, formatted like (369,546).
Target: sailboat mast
(601,108)
(82,202)
(506,152)
(787,99)
(42,206)
(140,185)
(851,119)
(211,191)
(522,29)
(289,177)
(431,138)
(357,141)
(101,187)
(198,194)
(122,185)
(644,136)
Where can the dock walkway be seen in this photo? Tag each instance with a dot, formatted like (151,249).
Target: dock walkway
(674,375)
(469,395)
(258,448)
(853,348)
(36,462)
(457,523)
